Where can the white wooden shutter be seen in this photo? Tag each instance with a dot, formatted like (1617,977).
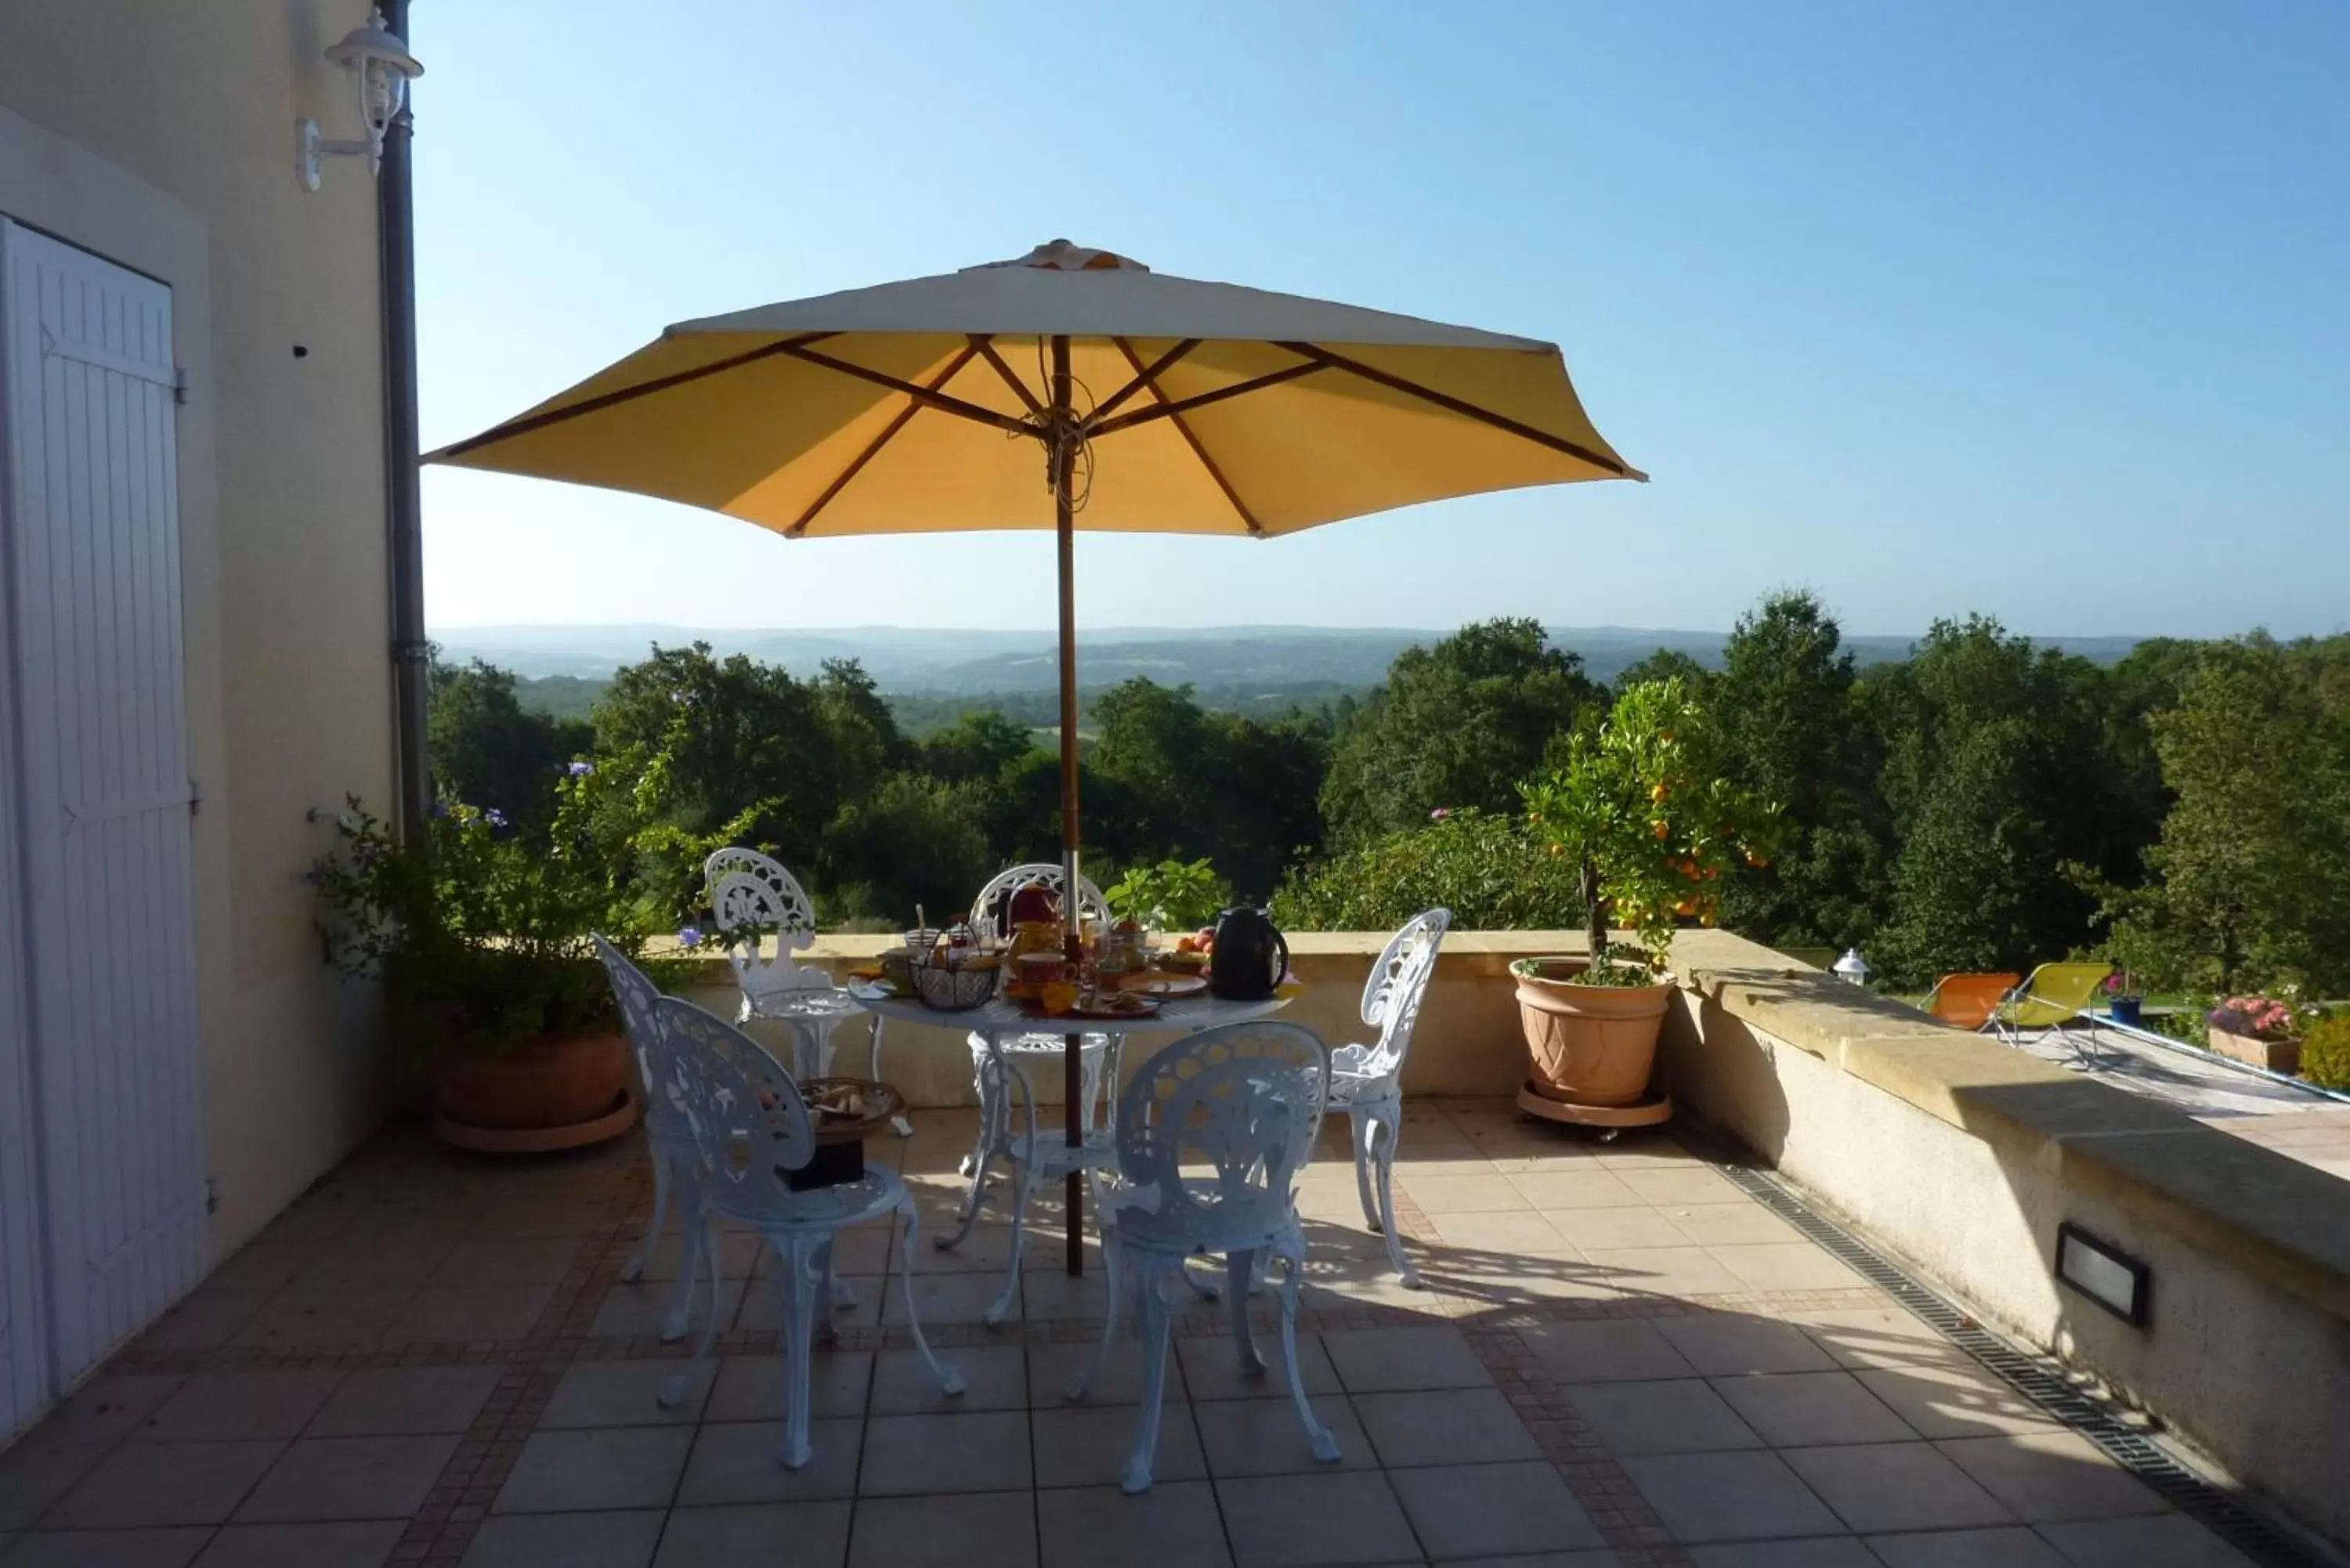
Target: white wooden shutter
(93,558)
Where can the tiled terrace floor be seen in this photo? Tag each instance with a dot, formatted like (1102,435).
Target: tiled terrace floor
(1624,1360)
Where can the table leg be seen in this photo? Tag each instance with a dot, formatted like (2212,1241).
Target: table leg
(1073,1094)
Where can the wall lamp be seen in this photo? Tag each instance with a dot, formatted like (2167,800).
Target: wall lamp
(380,68)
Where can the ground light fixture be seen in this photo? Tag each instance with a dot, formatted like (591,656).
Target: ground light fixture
(2102,1271)
(380,68)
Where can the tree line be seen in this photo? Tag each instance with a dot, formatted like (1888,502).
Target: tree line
(1987,803)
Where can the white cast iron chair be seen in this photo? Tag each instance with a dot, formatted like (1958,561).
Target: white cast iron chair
(751,896)
(1240,1103)
(669,1138)
(1367,1081)
(750,1129)
(1014,1053)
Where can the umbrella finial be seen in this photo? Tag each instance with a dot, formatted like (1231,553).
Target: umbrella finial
(1064,255)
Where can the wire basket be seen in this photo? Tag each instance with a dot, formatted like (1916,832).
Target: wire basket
(953,990)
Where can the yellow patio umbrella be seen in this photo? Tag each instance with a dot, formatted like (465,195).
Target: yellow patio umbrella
(1069,387)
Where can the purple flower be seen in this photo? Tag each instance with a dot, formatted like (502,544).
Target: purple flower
(1439,813)
(689,936)
(580,770)
(494,817)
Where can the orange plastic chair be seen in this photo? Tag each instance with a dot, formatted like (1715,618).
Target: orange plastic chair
(1968,1001)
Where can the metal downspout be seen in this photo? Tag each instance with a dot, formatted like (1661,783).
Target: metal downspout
(403,505)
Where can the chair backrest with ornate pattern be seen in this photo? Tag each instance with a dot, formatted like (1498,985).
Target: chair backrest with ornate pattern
(747,1118)
(987,909)
(751,896)
(639,1000)
(1392,994)
(1242,1100)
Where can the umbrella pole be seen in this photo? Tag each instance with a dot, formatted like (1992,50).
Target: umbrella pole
(1064,458)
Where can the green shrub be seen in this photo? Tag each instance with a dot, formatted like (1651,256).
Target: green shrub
(1487,869)
(2326,1051)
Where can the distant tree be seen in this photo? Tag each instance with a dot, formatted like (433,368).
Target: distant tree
(914,840)
(488,751)
(1666,664)
(1791,735)
(976,748)
(1455,725)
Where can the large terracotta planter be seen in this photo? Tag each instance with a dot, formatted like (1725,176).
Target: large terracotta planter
(558,1092)
(1588,1044)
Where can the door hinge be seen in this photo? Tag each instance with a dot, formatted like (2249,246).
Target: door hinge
(211,1194)
(180,385)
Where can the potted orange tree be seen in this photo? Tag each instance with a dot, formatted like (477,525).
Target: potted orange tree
(1641,809)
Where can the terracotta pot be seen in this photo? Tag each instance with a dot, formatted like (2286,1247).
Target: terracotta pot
(557,1081)
(2276,1056)
(1592,1045)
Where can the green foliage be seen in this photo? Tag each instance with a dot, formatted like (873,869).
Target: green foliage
(1456,725)
(915,840)
(1172,896)
(488,749)
(1641,809)
(1486,867)
(2326,1051)
(481,937)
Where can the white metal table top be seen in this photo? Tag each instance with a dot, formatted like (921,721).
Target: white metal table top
(1002,1015)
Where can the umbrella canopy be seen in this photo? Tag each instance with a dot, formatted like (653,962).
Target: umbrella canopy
(1193,407)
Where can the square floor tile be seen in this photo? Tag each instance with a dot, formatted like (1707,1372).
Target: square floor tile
(1728,1497)
(1384,1360)
(240,1405)
(204,1321)
(1173,1525)
(339,1321)
(1605,1350)
(1952,1401)
(1441,1194)
(624,1394)
(354,1544)
(906,1455)
(468,1314)
(610,1466)
(1262,1437)
(1052,1366)
(2046,1477)
(1720,1343)
(2168,1541)
(1299,1522)
(1475,1511)
(1668,1185)
(1681,1416)
(1727,1224)
(642,1307)
(1802,1409)
(604,1539)
(1086,1445)
(388,1401)
(949,1298)
(1664,1271)
(1787,1266)
(1507,1234)
(739,1251)
(143,1483)
(37,1471)
(349,1478)
(751,1387)
(743,1462)
(1884,1487)
(1548,1191)
(757,1536)
(1819,1551)
(1615,1228)
(1877,1336)
(507,1261)
(110,1405)
(2008,1546)
(971,1531)
(155,1548)
(1444,1426)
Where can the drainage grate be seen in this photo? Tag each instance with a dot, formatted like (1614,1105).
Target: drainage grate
(2037,1379)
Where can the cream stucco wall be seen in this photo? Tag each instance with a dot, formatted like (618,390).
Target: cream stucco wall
(159,134)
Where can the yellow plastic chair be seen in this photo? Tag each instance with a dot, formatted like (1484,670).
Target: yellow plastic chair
(2050,999)
(1967,1000)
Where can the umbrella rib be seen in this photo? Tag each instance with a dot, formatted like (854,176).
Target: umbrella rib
(920,393)
(1143,378)
(1169,408)
(530,422)
(983,345)
(1465,410)
(873,448)
(1149,379)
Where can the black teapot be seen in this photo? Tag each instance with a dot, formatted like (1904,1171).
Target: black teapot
(1251,956)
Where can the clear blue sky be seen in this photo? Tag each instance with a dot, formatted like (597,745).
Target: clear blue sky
(2037,309)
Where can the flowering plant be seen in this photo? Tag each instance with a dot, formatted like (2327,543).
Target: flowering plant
(482,939)
(1642,810)
(2260,1017)
(2119,987)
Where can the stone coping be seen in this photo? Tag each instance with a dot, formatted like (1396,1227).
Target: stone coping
(2276,1217)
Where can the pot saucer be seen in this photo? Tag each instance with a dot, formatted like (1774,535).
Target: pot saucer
(1647,1112)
